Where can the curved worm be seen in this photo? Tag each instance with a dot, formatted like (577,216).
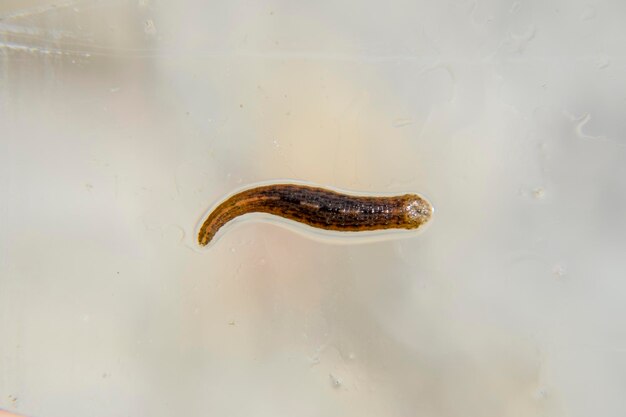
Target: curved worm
(320,208)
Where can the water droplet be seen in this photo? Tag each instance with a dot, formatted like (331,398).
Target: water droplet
(149,28)
(336,382)
(559,271)
(540,393)
(539,193)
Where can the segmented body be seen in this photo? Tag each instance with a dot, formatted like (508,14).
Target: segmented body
(321,208)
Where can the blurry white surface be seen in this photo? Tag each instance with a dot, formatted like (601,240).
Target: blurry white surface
(121,122)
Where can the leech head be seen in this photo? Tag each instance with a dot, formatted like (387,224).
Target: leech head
(417,211)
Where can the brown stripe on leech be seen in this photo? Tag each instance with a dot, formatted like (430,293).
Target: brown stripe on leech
(320,208)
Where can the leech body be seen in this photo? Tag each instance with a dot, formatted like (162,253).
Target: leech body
(320,208)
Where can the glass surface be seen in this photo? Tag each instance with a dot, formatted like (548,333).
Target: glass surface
(122,122)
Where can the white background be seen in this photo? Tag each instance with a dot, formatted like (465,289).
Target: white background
(121,122)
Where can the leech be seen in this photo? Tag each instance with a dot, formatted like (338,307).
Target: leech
(320,208)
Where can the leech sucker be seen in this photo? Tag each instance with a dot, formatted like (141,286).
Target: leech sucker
(320,208)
